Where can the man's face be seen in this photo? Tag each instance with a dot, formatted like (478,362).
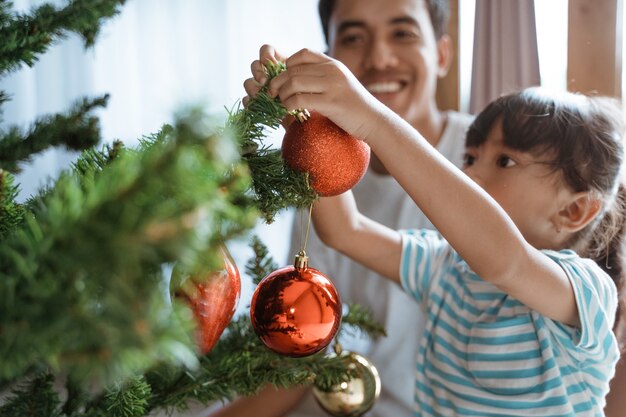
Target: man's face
(390,47)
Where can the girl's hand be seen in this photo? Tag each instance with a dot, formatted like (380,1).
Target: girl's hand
(252,85)
(317,82)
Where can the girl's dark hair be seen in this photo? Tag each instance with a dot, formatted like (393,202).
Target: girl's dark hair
(584,139)
(438,10)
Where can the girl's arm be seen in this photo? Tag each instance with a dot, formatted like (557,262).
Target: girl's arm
(472,222)
(339,225)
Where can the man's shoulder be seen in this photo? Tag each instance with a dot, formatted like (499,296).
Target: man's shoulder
(458,121)
(452,141)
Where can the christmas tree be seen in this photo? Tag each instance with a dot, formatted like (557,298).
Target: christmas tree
(87,324)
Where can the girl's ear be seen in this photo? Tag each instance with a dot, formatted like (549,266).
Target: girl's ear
(578,212)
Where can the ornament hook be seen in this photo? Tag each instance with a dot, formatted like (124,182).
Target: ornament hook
(308,227)
(301,261)
(302,115)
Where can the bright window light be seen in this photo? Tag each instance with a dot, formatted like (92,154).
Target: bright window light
(551,21)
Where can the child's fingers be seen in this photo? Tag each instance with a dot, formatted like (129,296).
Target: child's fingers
(301,101)
(304,90)
(321,77)
(268,53)
(258,79)
(252,88)
(299,76)
(306,56)
(258,72)
(287,87)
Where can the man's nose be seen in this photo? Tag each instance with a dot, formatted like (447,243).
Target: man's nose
(380,55)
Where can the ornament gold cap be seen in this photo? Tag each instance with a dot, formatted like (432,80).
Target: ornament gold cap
(302,115)
(301,261)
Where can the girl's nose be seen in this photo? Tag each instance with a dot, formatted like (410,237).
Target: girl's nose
(474,175)
(380,56)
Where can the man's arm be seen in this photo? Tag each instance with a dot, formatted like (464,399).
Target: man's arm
(616,400)
(269,402)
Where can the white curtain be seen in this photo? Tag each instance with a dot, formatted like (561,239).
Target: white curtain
(153,58)
(505,50)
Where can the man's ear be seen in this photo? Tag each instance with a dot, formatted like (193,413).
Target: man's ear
(444,55)
(578,212)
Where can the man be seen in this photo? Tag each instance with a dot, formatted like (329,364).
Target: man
(397,49)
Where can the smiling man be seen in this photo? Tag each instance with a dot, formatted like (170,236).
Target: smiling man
(397,49)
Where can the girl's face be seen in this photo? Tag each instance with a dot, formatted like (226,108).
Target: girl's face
(523,184)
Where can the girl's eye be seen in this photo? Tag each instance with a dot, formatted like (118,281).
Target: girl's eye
(505,162)
(468,160)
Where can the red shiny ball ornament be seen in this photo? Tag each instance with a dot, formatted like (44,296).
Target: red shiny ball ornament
(335,160)
(213,300)
(295,311)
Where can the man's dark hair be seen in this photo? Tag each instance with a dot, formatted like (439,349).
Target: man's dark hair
(438,10)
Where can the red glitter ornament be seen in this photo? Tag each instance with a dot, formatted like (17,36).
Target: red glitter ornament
(213,300)
(296,310)
(335,160)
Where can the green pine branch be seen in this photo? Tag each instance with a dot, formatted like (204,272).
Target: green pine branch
(238,365)
(261,264)
(4,97)
(275,186)
(88,165)
(26,36)
(11,213)
(35,397)
(360,319)
(93,160)
(76,130)
(80,281)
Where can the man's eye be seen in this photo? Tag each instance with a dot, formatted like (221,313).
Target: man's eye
(404,34)
(351,39)
(505,162)
(468,160)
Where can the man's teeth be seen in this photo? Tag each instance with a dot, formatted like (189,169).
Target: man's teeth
(388,87)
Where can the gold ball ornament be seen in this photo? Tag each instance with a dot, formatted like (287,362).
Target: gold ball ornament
(296,310)
(355,397)
(335,160)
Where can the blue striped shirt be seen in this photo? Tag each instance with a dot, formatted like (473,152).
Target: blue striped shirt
(486,354)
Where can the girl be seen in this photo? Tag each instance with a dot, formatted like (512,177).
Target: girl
(517,322)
